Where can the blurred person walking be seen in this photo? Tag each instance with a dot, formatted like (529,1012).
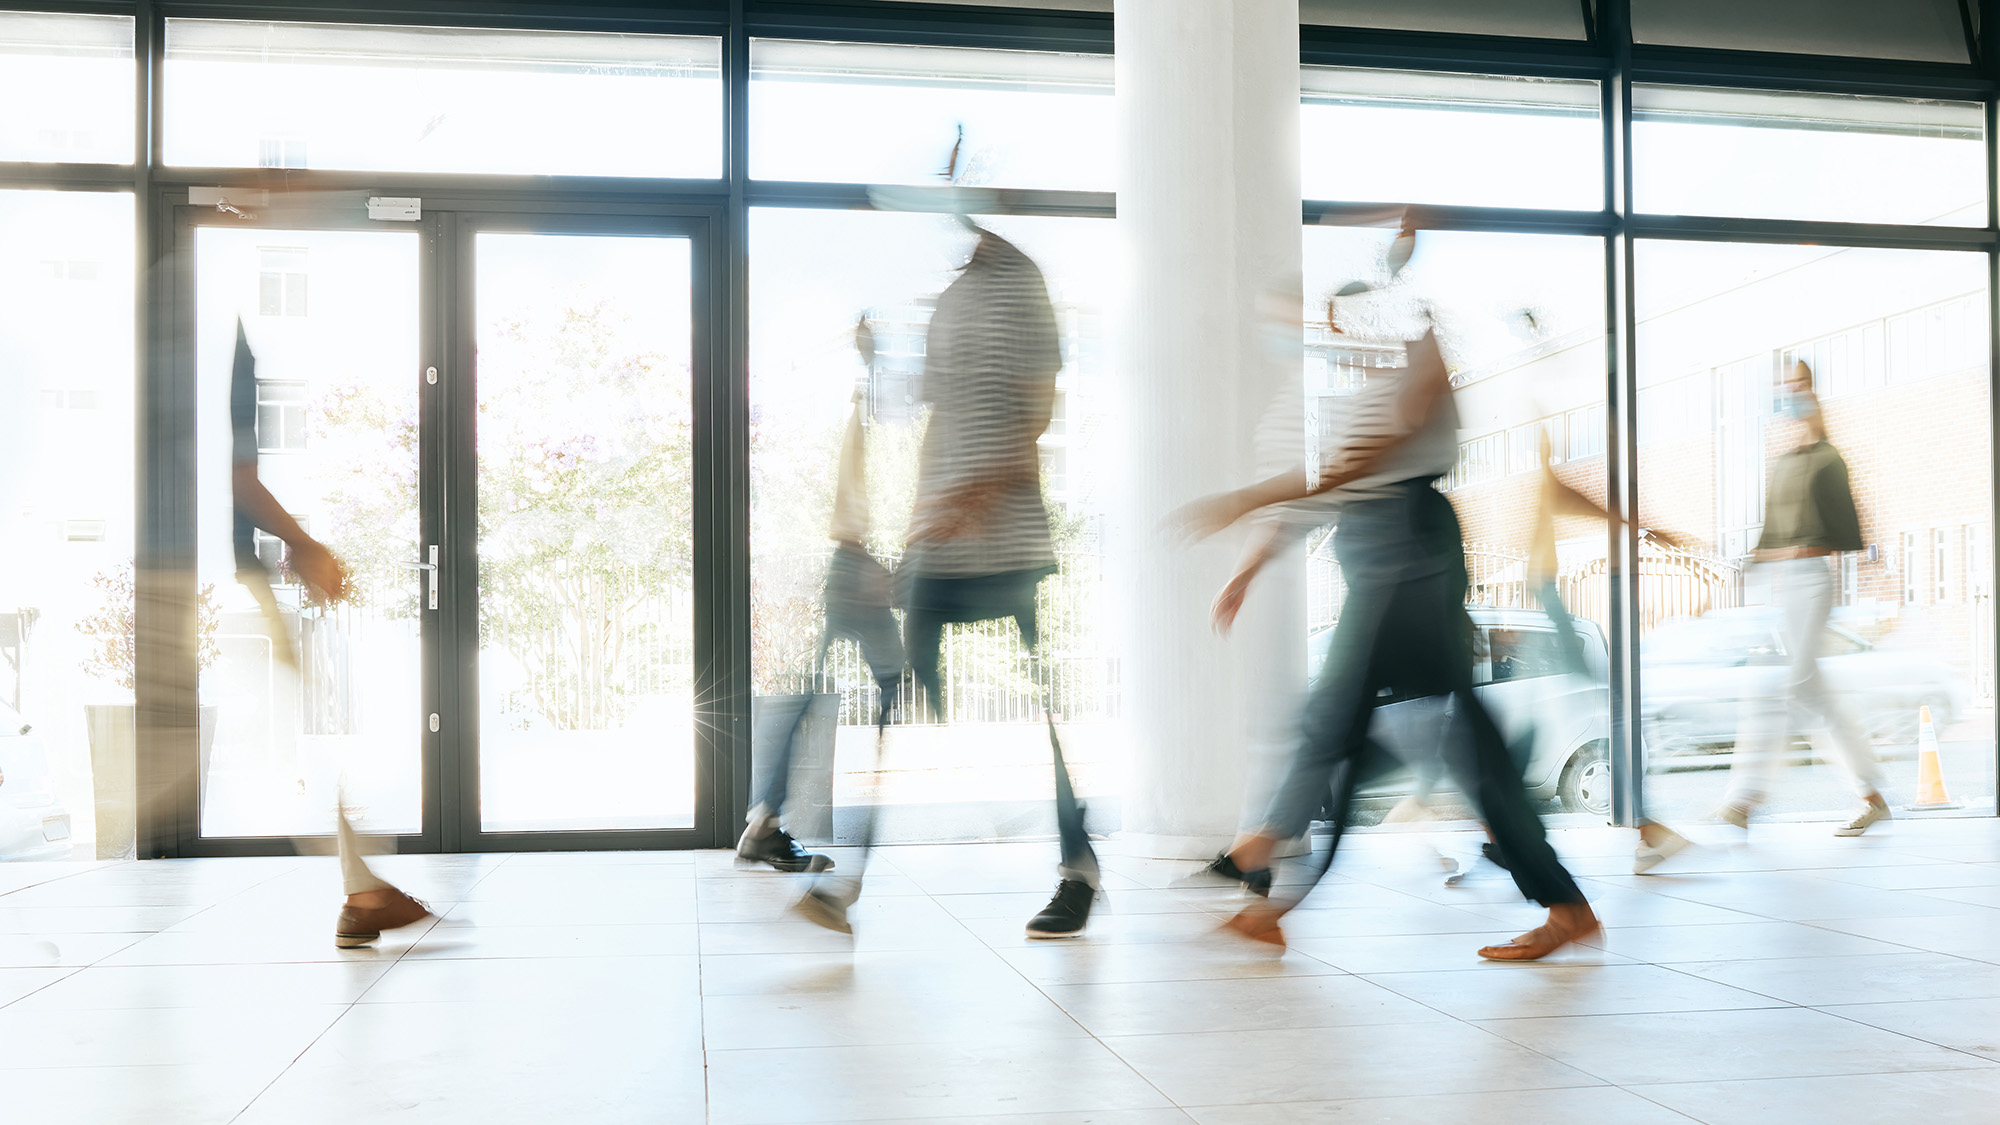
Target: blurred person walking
(372,905)
(1809,519)
(979,541)
(857,606)
(1657,842)
(1402,623)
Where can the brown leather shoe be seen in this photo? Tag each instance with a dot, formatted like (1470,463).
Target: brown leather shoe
(1563,927)
(1258,923)
(359,925)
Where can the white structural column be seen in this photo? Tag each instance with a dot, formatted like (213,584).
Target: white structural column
(1209,347)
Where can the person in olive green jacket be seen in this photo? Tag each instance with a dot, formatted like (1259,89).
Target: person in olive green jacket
(1809,519)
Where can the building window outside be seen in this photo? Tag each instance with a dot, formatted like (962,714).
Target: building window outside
(281,281)
(281,416)
(1934,340)
(1939,567)
(1585,428)
(1479,461)
(1521,449)
(1906,557)
(1975,573)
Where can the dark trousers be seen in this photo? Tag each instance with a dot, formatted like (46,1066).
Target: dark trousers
(1403,626)
(935,601)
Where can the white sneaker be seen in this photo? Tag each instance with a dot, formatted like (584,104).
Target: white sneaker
(1649,856)
(1870,814)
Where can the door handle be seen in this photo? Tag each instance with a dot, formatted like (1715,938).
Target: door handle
(431,568)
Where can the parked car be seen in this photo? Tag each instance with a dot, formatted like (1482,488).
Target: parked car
(1560,718)
(32,824)
(1695,673)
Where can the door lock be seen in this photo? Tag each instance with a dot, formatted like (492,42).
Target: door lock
(431,575)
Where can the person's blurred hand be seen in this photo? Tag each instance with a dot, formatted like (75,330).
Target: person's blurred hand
(325,578)
(1231,601)
(1204,517)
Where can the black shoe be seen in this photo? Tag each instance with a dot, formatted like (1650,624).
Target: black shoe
(1223,868)
(1066,913)
(777,848)
(1492,854)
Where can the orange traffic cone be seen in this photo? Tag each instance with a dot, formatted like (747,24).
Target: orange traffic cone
(1930,776)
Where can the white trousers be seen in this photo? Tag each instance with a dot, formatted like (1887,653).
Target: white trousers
(1803,591)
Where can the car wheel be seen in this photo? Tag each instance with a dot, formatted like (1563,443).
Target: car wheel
(1586,782)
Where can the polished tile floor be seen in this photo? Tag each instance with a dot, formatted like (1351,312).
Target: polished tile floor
(1796,977)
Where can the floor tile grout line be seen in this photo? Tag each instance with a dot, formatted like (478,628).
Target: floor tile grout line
(1043,992)
(347,1009)
(52,880)
(1907,1035)
(1639,1092)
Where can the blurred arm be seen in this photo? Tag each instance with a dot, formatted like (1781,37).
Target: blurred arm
(309,558)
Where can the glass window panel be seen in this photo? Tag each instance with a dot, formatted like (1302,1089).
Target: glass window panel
(1916,445)
(417,99)
(1477,140)
(1540,19)
(1924,30)
(1807,156)
(861,113)
(1520,322)
(67,82)
(814,274)
(586,532)
(67,517)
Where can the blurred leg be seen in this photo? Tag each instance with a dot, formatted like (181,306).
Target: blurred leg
(355,877)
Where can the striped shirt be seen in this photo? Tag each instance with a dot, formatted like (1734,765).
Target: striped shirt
(1376,417)
(989,375)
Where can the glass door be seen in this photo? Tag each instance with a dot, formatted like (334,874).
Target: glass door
(307,389)
(581,536)
(490,422)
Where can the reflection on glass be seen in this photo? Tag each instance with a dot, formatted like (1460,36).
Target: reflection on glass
(813,275)
(67,84)
(1520,322)
(1924,30)
(414,99)
(1896,343)
(66,515)
(1540,19)
(865,113)
(1807,156)
(586,534)
(1475,140)
(337,385)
